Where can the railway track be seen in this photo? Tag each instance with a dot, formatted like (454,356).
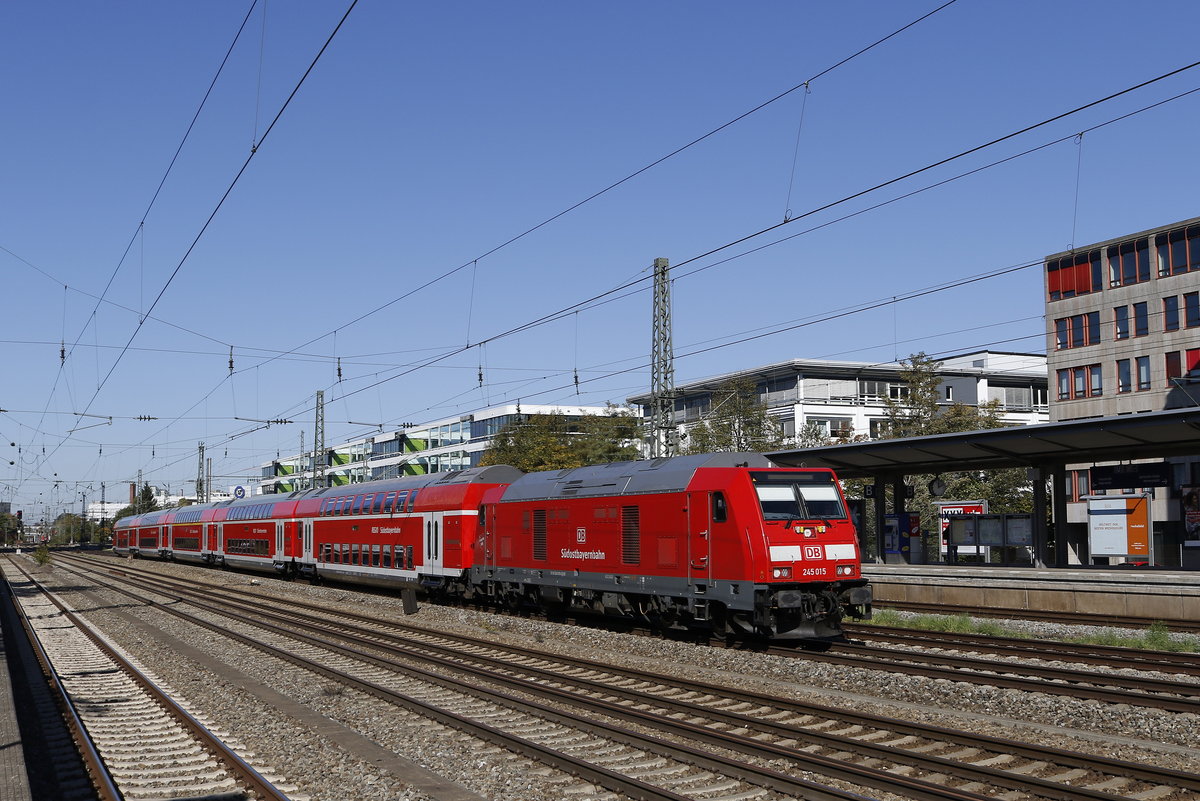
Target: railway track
(1071,619)
(138,741)
(1050,650)
(872,752)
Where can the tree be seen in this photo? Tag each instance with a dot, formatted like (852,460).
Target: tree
(10,528)
(559,442)
(70,527)
(146,502)
(736,422)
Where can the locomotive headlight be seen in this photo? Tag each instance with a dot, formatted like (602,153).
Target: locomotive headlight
(845,570)
(808,532)
(781,572)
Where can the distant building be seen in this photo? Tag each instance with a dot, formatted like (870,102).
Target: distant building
(453,443)
(845,400)
(1123,319)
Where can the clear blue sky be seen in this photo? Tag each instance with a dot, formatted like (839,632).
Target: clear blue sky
(429,134)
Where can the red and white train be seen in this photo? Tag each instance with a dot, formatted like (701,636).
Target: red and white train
(727,542)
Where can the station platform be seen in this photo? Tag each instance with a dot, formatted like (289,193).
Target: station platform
(1151,594)
(14,780)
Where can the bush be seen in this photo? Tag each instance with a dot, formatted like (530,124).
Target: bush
(42,554)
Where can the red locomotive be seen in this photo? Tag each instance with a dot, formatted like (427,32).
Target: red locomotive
(725,542)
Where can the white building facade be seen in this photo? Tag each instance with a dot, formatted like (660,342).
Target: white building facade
(847,400)
(452,443)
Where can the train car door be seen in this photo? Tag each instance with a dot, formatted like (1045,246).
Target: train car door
(307,544)
(211,539)
(699,547)
(279,546)
(433,541)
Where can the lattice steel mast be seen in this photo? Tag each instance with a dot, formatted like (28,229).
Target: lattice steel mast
(319,442)
(662,367)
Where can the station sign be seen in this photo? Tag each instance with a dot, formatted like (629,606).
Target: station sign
(947,508)
(1119,526)
(1131,476)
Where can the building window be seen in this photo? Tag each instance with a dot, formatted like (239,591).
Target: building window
(1141,320)
(1192,362)
(1191,309)
(1074,275)
(1124,377)
(1129,263)
(1077,331)
(1174,367)
(1121,324)
(1143,373)
(1080,382)
(1171,313)
(1078,485)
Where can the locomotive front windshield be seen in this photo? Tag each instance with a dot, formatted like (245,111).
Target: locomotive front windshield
(798,496)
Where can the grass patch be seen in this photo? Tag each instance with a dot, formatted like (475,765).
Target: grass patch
(949,624)
(1156,638)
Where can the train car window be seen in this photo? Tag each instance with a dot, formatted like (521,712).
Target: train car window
(401,497)
(375,556)
(389,502)
(387,556)
(378,503)
(344,505)
(358,502)
(481,517)
(408,557)
(412,499)
(719,511)
(368,499)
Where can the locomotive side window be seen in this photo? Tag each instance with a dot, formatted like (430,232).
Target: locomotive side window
(719,511)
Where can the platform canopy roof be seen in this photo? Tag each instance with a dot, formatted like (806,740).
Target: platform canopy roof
(1100,439)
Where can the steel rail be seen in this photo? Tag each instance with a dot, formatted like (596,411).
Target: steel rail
(238,767)
(612,780)
(1108,655)
(995,776)
(1071,619)
(1118,767)
(1144,687)
(774,780)
(102,779)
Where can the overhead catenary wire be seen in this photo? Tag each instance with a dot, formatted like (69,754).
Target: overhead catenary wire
(556,315)
(204,227)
